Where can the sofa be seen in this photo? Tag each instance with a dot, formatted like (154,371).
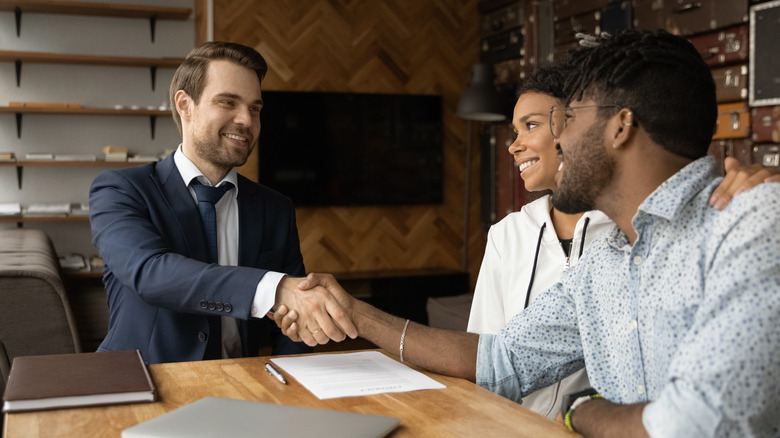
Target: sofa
(35,313)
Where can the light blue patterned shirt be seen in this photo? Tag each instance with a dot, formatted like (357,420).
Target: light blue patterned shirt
(688,318)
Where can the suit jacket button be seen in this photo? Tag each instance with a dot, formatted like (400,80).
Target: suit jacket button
(204,304)
(212,306)
(228,308)
(201,337)
(219,306)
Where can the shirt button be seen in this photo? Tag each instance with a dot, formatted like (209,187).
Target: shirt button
(640,389)
(633,325)
(254,311)
(637,260)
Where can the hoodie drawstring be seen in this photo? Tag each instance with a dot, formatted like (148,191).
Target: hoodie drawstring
(536,256)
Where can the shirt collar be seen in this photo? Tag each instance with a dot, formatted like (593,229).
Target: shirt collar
(189,171)
(668,199)
(676,192)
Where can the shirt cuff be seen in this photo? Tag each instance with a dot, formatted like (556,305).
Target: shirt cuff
(265,294)
(495,371)
(680,412)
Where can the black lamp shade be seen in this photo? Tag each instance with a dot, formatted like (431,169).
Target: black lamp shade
(481,101)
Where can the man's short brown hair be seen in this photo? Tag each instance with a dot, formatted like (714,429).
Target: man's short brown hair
(191,74)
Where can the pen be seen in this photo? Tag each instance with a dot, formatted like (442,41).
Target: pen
(272,371)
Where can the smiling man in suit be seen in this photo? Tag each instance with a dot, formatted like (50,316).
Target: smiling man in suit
(190,280)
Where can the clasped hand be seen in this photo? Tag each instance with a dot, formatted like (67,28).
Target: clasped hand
(315,310)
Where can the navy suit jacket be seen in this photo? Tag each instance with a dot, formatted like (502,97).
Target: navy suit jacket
(148,231)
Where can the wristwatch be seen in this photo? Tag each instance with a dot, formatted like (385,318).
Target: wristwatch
(571,401)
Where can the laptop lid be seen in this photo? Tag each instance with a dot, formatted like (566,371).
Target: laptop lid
(224,417)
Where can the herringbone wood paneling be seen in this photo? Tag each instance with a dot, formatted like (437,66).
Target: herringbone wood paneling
(376,46)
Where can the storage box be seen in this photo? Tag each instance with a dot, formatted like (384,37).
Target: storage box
(766,124)
(689,17)
(767,155)
(733,121)
(731,83)
(538,35)
(723,47)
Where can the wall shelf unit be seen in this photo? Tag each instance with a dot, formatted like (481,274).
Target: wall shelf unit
(64,109)
(21,164)
(151,13)
(18,58)
(82,82)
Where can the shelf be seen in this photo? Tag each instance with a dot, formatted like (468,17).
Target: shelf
(152,13)
(58,163)
(18,58)
(20,164)
(90,111)
(62,109)
(19,220)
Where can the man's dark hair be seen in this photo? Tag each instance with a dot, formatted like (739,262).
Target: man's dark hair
(549,80)
(191,74)
(660,77)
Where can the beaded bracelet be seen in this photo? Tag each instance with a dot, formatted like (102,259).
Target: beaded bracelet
(579,401)
(403,335)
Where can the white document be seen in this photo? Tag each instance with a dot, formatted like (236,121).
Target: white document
(10,209)
(354,374)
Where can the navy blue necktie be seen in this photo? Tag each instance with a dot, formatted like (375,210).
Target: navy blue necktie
(207,198)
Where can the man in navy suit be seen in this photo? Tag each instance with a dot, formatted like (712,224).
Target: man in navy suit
(166,298)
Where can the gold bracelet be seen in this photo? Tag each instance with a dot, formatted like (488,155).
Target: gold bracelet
(403,335)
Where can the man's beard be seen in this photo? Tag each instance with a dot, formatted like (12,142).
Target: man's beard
(588,169)
(213,151)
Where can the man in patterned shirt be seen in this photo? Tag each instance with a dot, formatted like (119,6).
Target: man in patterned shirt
(676,311)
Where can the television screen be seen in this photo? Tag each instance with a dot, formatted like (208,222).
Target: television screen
(348,149)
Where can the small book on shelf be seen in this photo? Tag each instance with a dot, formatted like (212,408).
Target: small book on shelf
(58,209)
(39,156)
(142,158)
(75,157)
(118,156)
(72,262)
(10,209)
(79,209)
(59,381)
(7,156)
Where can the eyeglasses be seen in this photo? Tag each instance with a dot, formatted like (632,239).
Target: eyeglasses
(559,116)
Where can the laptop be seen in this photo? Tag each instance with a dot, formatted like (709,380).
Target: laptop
(223,417)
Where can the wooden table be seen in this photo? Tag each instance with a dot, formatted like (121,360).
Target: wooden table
(463,409)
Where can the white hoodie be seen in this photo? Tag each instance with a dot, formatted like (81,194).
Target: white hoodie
(508,269)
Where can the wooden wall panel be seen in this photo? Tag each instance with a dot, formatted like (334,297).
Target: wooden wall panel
(393,46)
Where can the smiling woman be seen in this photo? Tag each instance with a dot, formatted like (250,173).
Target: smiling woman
(533,149)
(528,250)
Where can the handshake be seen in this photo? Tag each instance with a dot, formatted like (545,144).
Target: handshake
(315,310)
